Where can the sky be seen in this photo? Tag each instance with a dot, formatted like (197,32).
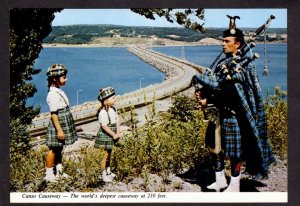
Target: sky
(252,18)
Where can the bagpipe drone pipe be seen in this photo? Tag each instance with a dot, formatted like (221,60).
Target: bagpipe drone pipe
(210,81)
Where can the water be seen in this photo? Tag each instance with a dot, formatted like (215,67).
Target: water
(93,68)
(276,61)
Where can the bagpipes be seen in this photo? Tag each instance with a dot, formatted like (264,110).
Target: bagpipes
(247,46)
(236,63)
(229,67)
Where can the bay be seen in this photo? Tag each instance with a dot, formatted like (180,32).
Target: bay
(93,68)
(90,69)
(275,58)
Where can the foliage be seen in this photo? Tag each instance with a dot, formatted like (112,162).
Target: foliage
(277,118)
(27,172)
(168,143)
(19,140)
(88,33)
(84,170)
(181,17)
(182,108)
(28,27)
(71,39)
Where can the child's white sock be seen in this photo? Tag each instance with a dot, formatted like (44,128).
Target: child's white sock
(59,171)
(49,175)
(108,170)
(49,171)
(58,168)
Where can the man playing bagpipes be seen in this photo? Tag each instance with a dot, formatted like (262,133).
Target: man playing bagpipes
(238,118)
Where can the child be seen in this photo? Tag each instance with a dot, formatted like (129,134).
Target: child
(108,132)
(61,129)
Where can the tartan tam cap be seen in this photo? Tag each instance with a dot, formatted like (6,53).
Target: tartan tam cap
(105,93)
(56,70)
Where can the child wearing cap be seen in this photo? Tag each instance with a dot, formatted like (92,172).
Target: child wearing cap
(108,132)
(61,129)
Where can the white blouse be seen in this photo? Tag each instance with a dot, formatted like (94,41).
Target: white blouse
(103,117)
(56,99)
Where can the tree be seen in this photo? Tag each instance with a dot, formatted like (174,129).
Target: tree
(28,27)
(181,17)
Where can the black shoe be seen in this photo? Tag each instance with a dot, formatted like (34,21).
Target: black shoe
(201,176)
(188,174)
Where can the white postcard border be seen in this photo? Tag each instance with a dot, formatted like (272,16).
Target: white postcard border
(148,197)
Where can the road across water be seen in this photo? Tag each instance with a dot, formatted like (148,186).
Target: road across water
(178,77)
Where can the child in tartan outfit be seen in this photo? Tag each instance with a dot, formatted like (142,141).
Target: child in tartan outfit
(108,132)
(61,129)
(236,92)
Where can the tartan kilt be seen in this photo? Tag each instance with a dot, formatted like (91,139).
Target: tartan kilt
(231,137)
(104,140)
(67,124)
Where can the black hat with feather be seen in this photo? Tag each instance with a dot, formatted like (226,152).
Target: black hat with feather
(233,31)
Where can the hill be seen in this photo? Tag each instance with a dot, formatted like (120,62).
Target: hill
(89,34)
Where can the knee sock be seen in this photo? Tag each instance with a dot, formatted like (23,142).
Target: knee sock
(218,161)
(108,170)
(235,167)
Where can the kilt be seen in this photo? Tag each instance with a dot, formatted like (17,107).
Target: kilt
(104,140)
(231,137)
(67,124)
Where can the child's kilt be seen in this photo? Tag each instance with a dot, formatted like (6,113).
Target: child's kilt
(67,124)
(104,140)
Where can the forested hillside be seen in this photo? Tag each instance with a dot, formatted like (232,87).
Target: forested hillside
(82,34)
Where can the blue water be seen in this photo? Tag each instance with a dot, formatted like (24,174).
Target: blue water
(276,57)
(93,68)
